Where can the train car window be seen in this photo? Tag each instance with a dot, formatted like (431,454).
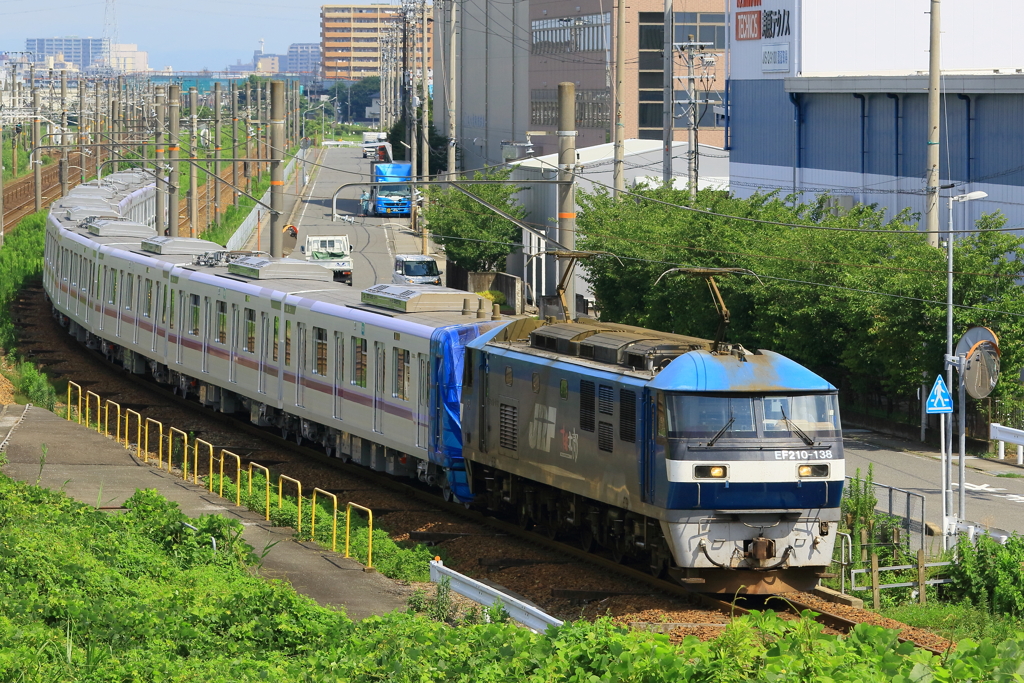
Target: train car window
(508,375)
(467,369)
(339,371)
(194,315)
(563,389)
(97,289)
(320,351)
(605,399)
(586,405)
(129,291)
(277,335)
(535,383)
(171,304)
(74,270)
(403,380)
(250,330)
(359,361)
(112,282)
(287,342)
(163,308)
(147,308)
(222,322)
(627,416)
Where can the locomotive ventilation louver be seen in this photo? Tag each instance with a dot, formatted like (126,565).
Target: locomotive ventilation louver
(625,345)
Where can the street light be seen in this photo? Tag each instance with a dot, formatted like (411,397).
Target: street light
(947,494)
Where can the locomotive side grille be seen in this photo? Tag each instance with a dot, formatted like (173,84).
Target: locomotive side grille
(604,436)
(627,416)
(586,406)
(508,433)
(605,399)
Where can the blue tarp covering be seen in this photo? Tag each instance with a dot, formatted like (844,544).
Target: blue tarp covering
(448,350)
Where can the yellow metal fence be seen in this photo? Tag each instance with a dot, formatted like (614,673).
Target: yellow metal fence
(144,427)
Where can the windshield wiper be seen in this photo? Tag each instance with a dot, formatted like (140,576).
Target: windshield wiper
(793,428)
(721,432)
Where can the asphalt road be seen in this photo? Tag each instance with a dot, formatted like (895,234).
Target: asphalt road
(991,500)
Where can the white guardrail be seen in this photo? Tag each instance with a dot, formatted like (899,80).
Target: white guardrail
(243,232)
(527,615)
(1003,434)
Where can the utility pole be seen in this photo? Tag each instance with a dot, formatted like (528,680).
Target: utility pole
(81,129)
(277,217)
(234,139)
(567,189)
(409,53)
(193,168)
(618,169)
(425,125)
(216,147)
(158,156)
(256,125)
(931,206)
(691,50)
(63,133)
(174,149)
(668,112)
(37,162)
(451,89)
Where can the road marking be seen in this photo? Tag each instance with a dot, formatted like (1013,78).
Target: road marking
(983,488)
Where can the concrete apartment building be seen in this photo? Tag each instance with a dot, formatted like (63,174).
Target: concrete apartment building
(351,36)
(304,58)
(83,52)
(512,56)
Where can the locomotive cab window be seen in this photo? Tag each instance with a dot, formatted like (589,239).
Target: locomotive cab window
(813,416)
(703,416)
(563,389)
(508,375)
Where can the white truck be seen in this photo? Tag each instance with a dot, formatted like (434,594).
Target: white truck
(370,141)
(332,252)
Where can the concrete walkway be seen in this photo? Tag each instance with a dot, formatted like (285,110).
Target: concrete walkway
(98,471)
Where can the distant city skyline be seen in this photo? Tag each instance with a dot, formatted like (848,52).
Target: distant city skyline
(209,34)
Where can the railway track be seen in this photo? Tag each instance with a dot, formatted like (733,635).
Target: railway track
(559,577)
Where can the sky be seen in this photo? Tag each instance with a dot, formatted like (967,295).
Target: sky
(198,34)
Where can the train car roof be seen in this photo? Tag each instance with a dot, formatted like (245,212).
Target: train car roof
(426,305)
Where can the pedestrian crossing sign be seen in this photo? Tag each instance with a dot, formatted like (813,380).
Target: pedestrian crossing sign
(939,400)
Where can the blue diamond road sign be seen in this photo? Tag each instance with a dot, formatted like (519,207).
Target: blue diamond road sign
(939,400)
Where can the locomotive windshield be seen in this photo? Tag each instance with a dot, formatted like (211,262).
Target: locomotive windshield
(694,416)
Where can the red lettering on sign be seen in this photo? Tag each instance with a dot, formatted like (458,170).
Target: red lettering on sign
(747,3)
(748,25)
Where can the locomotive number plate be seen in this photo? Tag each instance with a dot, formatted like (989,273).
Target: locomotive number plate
(803,455)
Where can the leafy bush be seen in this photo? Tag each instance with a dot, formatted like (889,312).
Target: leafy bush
(35,386)
(88,596)
(494,296)
(990,574)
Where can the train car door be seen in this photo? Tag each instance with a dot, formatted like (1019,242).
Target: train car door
(300,365)
(655,443)
(378,388)
(264,343)
(423,402)
(233,353)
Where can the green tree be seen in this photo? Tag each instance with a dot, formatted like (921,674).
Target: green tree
(474,237)
(362,93)
(822,295)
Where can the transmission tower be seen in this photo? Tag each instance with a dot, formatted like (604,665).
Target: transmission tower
(110,29)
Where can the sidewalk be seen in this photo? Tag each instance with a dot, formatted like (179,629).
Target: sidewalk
(98,471)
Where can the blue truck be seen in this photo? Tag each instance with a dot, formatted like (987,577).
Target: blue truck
(391,200)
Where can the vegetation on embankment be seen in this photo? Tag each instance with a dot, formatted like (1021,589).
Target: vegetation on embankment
(91,596)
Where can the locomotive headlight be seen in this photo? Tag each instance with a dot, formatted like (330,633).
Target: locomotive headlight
(710,472)
(813,470)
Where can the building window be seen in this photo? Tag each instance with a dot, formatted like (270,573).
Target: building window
(703,26)
(359,361)
(651,76)
(320,351)
(250,330)
(403,378)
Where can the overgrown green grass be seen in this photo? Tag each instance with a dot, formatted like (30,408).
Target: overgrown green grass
(222,229)
(956,621)
(90,596)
